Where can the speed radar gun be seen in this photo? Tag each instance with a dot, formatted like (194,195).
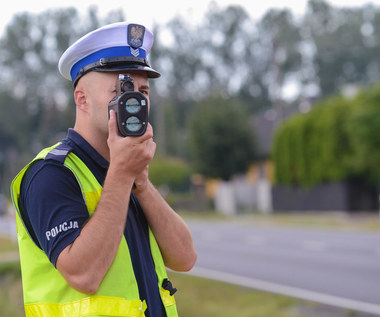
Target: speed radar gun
(131,108)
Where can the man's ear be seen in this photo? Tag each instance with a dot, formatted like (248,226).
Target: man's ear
(80,99)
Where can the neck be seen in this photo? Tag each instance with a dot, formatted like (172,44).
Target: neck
(96,139)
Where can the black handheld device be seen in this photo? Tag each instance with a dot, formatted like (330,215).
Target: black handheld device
(131,108)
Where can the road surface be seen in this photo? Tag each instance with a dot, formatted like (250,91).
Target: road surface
(333,267)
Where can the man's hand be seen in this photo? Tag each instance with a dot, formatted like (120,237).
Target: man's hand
(130,156)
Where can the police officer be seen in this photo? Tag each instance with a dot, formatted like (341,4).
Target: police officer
(94,234)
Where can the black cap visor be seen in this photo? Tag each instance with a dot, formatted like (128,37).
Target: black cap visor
(115,64)
(151,72)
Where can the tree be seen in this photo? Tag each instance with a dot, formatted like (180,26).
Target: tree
(35,104)
(221,145)
(279,39)
(199,60)
(344,43)
(221,139)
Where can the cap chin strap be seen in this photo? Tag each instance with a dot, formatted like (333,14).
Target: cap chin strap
(111,62)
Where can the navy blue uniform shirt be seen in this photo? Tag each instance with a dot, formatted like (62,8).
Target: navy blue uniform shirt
(51,197)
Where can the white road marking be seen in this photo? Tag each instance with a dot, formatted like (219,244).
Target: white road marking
(286,290)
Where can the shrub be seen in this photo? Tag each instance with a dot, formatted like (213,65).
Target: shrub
(171,172)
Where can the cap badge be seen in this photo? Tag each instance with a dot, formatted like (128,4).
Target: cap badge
(135,35)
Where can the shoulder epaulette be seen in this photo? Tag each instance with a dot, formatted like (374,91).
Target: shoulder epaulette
(59,153)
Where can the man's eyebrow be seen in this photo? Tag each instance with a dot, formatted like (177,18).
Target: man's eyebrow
(144,87)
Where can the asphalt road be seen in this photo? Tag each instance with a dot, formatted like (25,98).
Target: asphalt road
(332,267)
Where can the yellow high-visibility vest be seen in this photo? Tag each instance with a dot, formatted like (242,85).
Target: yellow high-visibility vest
(48,294)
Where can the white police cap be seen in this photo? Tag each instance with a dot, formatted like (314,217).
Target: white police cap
(114,47)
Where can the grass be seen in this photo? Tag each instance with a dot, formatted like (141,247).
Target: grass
(325,220)
(331,220)
(11,298)
(7,245)
(201,297)
(11,301)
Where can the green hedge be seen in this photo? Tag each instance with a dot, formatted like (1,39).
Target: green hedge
(337,140)
(365,135)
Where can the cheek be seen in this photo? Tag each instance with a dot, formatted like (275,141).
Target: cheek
(100,109)
(102,102)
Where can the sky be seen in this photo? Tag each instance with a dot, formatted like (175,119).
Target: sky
(149,12)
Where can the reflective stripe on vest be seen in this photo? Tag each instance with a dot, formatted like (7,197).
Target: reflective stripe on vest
(45,290)
(89,306)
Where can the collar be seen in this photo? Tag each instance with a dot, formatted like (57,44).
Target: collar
(81,142)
